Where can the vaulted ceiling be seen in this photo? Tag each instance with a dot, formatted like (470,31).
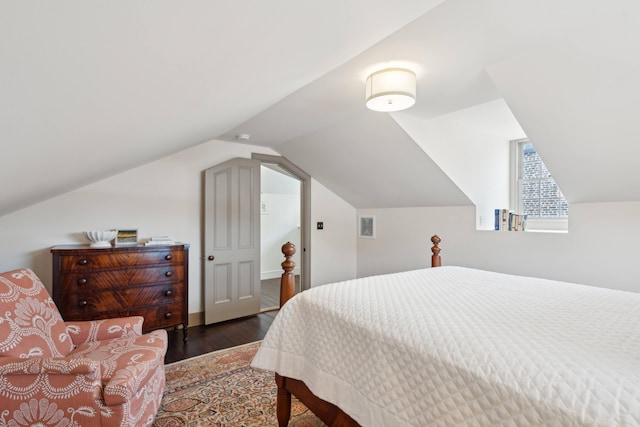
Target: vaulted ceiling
(89,89)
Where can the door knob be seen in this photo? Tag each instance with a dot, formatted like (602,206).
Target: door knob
(211,258)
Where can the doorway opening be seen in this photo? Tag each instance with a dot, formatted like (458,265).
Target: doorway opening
(284,217)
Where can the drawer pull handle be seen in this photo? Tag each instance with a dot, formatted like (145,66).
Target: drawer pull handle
(169,273)
(168,293)
(83,261)
(168,257)
(82,281)
(82,303)
(168,315)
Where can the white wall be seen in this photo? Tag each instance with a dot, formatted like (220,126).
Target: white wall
(161,198)
(281,224)
(601,248)
(333,249)
(165,197)
(472,147)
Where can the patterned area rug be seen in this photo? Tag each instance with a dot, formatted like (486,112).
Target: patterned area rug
(221,389)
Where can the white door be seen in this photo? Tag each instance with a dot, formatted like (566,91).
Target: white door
(232,240)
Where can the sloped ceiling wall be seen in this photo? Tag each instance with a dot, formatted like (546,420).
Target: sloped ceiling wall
(398,173)
(567,70)
(580,108)
(91,89)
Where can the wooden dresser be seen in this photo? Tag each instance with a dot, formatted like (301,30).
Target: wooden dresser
(98,283)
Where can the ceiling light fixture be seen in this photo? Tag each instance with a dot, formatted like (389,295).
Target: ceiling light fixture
(391,89)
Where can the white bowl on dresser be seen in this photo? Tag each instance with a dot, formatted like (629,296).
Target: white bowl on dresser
(100,238)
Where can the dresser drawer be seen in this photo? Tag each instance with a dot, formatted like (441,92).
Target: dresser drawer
(110,279)
(160,317)
(86,304)
(90,261)
(154,317)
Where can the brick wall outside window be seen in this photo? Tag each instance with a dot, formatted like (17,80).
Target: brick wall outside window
(540,196)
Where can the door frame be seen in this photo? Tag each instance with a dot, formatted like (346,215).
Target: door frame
(305,212)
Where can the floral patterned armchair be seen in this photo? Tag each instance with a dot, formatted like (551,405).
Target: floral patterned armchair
(56,373)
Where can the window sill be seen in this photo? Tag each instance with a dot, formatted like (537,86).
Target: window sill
(547,225)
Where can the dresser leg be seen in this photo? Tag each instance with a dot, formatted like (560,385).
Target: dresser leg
(185,333)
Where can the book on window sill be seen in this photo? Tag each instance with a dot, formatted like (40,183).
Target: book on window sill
(501,219)
(504,219)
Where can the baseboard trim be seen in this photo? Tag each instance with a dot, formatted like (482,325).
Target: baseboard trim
(274,274)
(196,319)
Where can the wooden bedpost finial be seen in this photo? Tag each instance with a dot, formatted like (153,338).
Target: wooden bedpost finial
(288,249)
(435,249)
(287,281)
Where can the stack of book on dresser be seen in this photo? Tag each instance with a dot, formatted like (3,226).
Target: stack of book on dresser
(160,241)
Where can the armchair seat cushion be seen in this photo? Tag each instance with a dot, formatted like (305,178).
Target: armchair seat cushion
(34,326)
(126,363)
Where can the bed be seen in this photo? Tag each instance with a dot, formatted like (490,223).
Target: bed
(456,346)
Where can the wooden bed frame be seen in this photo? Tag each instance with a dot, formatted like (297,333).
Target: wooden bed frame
(327,412)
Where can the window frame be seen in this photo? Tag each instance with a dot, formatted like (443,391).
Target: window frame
(550,225)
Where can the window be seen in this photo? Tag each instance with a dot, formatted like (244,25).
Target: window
(535,193)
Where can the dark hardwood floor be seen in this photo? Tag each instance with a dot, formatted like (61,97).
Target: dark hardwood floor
(269,294)
(208,338)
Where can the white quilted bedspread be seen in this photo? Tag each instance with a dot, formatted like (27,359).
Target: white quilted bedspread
(452,346)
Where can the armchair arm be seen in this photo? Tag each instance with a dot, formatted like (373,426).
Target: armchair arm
(97,330)
(49,365)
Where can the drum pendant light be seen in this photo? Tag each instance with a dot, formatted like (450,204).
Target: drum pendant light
(391,89)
